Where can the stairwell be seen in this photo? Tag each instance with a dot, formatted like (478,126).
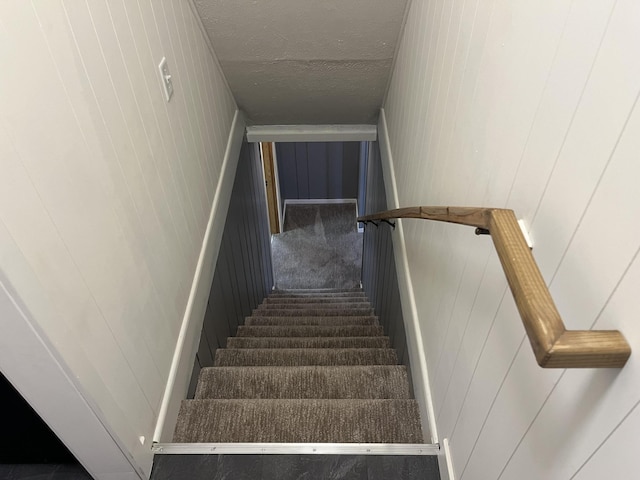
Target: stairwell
(307,366)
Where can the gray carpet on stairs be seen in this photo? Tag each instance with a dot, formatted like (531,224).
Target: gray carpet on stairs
(320,321)
(287,357)
(343,306)
(375,382)
(333,218)
(299,374)
(320,293)
(308,342)
(309,312)
(319,248)
(317,420)
(310,331)
(284,300)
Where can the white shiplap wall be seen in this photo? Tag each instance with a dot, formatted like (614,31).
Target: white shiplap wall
(106,189)
(530,106)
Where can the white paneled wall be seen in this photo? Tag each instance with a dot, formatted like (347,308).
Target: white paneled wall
(106,189)
(531,106)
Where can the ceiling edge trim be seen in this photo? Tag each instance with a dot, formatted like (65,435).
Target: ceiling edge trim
(312,133)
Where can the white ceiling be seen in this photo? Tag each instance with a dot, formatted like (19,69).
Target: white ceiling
(305,61)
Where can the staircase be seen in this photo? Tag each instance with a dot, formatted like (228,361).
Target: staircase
(307,366)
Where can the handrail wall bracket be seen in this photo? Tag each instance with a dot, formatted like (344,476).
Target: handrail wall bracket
(553,345)
(388,222)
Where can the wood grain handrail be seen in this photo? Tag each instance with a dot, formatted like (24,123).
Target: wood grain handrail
(553,345)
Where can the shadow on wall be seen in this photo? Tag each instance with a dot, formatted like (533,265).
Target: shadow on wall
(379,276)
(243,275)
(26,438)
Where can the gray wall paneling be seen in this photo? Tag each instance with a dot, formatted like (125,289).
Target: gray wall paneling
(379,276)
(243,274)
(318,170)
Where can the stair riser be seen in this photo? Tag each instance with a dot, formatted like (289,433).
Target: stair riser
(318,295)
(315,300)
(302,356)
(328,321)
(315,306)
(308,342)
(310,331)
(321,291)
(283,312)
(374,382)
(299,421)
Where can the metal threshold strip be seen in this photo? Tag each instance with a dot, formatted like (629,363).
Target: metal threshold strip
(297,448)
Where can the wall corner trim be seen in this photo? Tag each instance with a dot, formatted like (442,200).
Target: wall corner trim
(445,462)
(187,342)
(35,368)
(420,374)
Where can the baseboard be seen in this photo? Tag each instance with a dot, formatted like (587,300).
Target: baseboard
(187,343)
(445,462)
(415,345)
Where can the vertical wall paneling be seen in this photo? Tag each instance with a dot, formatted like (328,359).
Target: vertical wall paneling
(532,107)
(240,281)
(107,190)
(379,278)
(318,170)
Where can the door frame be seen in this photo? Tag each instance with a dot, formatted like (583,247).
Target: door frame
(272,185)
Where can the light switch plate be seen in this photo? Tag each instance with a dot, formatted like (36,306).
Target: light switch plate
(165,78)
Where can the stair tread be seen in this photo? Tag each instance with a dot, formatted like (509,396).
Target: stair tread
(336,320)
(318,295)
(309,331)
(314,306)
(308,312)
(322,300)
(308,420)
(370,381)
(304,356)
(309,342)
(317,290)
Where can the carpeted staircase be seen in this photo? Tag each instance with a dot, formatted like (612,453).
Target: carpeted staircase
(307,366)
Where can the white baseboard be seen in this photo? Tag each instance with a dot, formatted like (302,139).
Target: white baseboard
(187,343)
(445,462)
(415,345)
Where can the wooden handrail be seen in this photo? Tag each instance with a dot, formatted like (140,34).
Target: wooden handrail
(553,345)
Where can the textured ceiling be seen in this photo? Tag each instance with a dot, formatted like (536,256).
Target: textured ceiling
(305,61)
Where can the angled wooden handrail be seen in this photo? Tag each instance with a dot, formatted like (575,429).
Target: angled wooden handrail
(554,346)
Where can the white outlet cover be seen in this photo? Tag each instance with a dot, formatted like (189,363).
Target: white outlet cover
(165,78)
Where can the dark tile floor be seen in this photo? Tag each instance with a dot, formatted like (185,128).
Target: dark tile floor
(295,467)
(43,472)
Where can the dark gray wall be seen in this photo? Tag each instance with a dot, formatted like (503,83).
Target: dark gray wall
(379,277)
(318,170)
(243,274)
